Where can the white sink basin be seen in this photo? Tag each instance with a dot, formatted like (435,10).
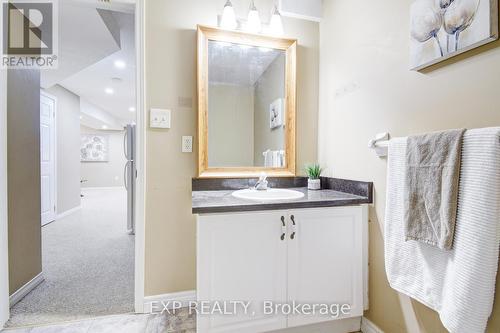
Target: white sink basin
(268,195)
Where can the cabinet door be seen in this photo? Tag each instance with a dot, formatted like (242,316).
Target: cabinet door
(325,261)
(241,257)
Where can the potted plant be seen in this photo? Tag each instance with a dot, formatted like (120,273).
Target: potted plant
(314,172)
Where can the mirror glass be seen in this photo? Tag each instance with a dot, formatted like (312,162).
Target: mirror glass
(246,106)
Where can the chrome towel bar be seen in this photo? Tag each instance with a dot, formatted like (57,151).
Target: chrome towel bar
(380,144)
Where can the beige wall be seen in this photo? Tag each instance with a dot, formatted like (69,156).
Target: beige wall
(269,87)
(105,174)
(364,52)
(170,74)
(4,258)
(23,167)
(230,124)
(68,148)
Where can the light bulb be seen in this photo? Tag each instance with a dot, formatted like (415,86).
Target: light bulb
(228,20)
(276,25)
(120,64)
(253,23)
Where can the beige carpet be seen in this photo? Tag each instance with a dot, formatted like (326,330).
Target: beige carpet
(88,264)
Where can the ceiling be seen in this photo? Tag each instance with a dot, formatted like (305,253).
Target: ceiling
(238,64)
(91,82)
(88,56)
(125,6)
(79,48)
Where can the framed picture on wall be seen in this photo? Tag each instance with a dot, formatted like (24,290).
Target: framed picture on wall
(441,29)
(94,148)
(276,113)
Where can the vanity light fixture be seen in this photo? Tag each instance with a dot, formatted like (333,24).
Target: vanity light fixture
(228,20)
(276,25)
(109,91)
(253,24)
(131,109)
(104,127)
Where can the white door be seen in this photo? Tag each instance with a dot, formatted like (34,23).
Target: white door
(242,257)
(47,157)
(325,261)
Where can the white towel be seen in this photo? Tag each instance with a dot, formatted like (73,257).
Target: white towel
(458,284)
(276,159)
(268,158)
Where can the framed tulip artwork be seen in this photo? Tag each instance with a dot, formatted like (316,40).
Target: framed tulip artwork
(441,29)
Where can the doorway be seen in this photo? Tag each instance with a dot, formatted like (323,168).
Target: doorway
(92,220)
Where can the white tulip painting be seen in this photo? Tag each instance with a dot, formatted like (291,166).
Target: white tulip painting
(440,29)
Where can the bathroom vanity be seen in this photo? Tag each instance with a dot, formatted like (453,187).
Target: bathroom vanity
(311,250)
(268,248)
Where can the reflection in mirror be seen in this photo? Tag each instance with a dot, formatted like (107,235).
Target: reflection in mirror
(246,106)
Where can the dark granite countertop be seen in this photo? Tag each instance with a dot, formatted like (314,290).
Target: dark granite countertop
(334,192)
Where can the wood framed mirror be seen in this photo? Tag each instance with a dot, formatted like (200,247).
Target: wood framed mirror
(246,104)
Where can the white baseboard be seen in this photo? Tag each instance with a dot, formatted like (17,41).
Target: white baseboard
(25,290)
(367,326)
(332,326)
(68,212)
(155,303)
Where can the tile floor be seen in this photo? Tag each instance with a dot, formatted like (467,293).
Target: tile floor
(181,322)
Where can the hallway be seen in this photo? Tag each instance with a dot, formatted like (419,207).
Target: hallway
(88,264)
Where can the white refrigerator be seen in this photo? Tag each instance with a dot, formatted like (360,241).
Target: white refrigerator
(130,175)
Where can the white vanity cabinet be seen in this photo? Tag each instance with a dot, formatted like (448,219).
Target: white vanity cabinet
(326,260)
(310,256)
(241,257)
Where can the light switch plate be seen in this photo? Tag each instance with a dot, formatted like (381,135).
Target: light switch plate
(159,118)
(187,144)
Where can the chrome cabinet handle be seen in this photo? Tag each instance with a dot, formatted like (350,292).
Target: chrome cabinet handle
(283,228)
(292,236)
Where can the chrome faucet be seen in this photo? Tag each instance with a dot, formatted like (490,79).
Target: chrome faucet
(261,184)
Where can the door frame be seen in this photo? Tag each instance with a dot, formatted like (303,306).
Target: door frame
(54,98)
(141,123)
(141,175)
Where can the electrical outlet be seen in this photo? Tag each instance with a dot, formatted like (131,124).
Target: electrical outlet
(187,144)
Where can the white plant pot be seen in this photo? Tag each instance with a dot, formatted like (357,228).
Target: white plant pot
(314,184)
